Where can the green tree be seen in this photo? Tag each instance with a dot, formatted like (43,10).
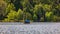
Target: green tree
(38,10)
(19,15)
(9,8)
(12,15)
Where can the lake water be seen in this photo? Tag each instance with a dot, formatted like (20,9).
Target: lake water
(41,28)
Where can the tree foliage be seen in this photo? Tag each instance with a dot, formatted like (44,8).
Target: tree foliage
(36,10)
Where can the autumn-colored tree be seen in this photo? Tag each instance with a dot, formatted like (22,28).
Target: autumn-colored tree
(2,9)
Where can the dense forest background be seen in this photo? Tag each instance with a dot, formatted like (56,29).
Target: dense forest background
(34,10)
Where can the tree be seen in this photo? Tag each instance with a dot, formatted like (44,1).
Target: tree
(38,10)
(12,15)
(19,15)
(2,9)
(9,8)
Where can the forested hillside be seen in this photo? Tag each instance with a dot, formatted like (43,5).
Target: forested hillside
(34,10)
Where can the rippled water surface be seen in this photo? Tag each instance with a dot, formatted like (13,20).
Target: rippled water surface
(41,28)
